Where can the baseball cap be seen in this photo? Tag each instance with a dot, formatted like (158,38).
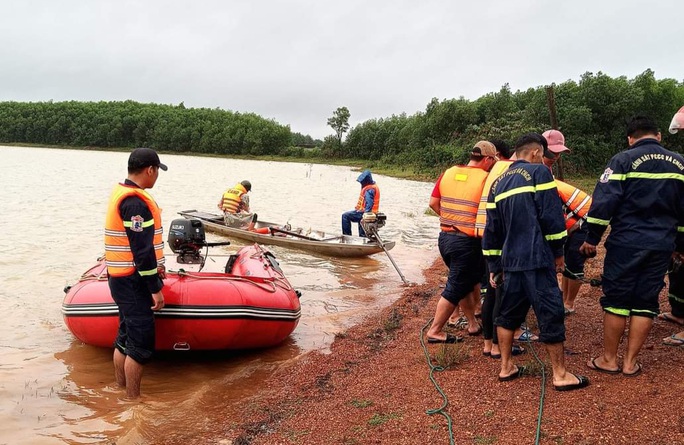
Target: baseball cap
(484,149)
(556,141)
(677,121)
(145,157)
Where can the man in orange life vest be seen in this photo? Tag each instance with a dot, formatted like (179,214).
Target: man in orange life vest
(369,201)
(135,265)
(576,204)
(455,199)
(235,205)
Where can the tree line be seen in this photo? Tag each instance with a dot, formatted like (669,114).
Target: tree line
(132,124)
(591,113)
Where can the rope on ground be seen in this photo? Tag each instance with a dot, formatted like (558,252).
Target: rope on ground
(542,393)
(445,400)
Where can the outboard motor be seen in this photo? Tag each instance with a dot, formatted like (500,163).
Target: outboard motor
(371,222)
(186,238)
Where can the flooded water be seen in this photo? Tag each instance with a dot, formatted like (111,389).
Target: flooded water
(54,389)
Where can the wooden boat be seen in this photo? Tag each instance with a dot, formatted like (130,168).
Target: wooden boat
(248,304)
(282,235)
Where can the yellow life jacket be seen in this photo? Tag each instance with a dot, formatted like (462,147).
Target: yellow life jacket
(576,203)
(460,190)
(361,204)
(497,170)
(232,198)
(118,254)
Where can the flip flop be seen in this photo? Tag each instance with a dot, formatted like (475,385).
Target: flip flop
(667,316)
(478,332)
(569,311)
(450,339)
(635,373)
(592,365)
(515,350)
(673,340)
(582,383)
(515,375)
(526,336)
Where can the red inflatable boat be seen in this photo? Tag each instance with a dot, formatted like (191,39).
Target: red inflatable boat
(248,304)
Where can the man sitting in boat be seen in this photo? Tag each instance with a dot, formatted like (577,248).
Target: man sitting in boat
(369,201)
(235,205)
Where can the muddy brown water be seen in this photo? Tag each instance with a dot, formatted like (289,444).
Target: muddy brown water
(54,389)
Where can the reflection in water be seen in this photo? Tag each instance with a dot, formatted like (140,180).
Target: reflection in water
(56,390)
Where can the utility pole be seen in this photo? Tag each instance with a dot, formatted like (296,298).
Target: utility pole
(551,100)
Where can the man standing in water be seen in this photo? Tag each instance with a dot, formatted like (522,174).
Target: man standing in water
(135,265)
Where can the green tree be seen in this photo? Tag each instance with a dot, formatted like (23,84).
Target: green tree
(340,122)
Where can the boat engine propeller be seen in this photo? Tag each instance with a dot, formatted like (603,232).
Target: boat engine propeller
(186,238)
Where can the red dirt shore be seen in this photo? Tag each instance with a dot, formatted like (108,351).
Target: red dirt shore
(374,388)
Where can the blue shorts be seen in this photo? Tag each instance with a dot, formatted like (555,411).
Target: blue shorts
(574,260)
(537,288)
(463,255)
(136,318)
(632,280)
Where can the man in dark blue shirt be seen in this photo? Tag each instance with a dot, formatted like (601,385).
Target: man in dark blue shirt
(641,196)
(523,240)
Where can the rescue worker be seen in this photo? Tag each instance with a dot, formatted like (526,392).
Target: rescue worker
(455,198)
(676,275)
(135,266)
(369,201)
(523,240)
(576,205)
(235,206)
(641,196)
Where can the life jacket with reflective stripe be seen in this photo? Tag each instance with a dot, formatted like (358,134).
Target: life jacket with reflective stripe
(499,168)
(460,190)
(361,204)
(118,253)
(576,203)
(232,198)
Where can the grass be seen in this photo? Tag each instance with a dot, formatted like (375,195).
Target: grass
(451,355)
(361,403)
(379,419)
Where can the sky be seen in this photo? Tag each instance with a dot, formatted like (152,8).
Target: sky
(297,61)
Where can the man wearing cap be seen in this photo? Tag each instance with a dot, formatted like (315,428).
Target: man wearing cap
(235,205)
(641,196)
(455,199)
(523,240)
(576,204)
(134,253)
(369,201)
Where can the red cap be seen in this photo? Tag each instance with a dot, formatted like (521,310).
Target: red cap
(556,141)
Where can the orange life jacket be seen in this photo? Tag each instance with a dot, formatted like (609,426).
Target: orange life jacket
(460,190)
(118,254)
(497,170)
(361,204)
(576,203)
(232,198)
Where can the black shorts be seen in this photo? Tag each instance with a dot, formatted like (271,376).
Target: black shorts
(676,291)
(463,255)
(574,260)
(136,318)
(537,288)
(632,280)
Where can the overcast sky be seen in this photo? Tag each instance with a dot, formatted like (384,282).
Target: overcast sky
(297,61)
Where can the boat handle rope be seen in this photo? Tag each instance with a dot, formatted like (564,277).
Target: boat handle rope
(255,280)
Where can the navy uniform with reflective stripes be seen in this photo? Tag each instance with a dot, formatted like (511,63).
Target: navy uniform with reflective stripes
(641,196)
(524,235)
